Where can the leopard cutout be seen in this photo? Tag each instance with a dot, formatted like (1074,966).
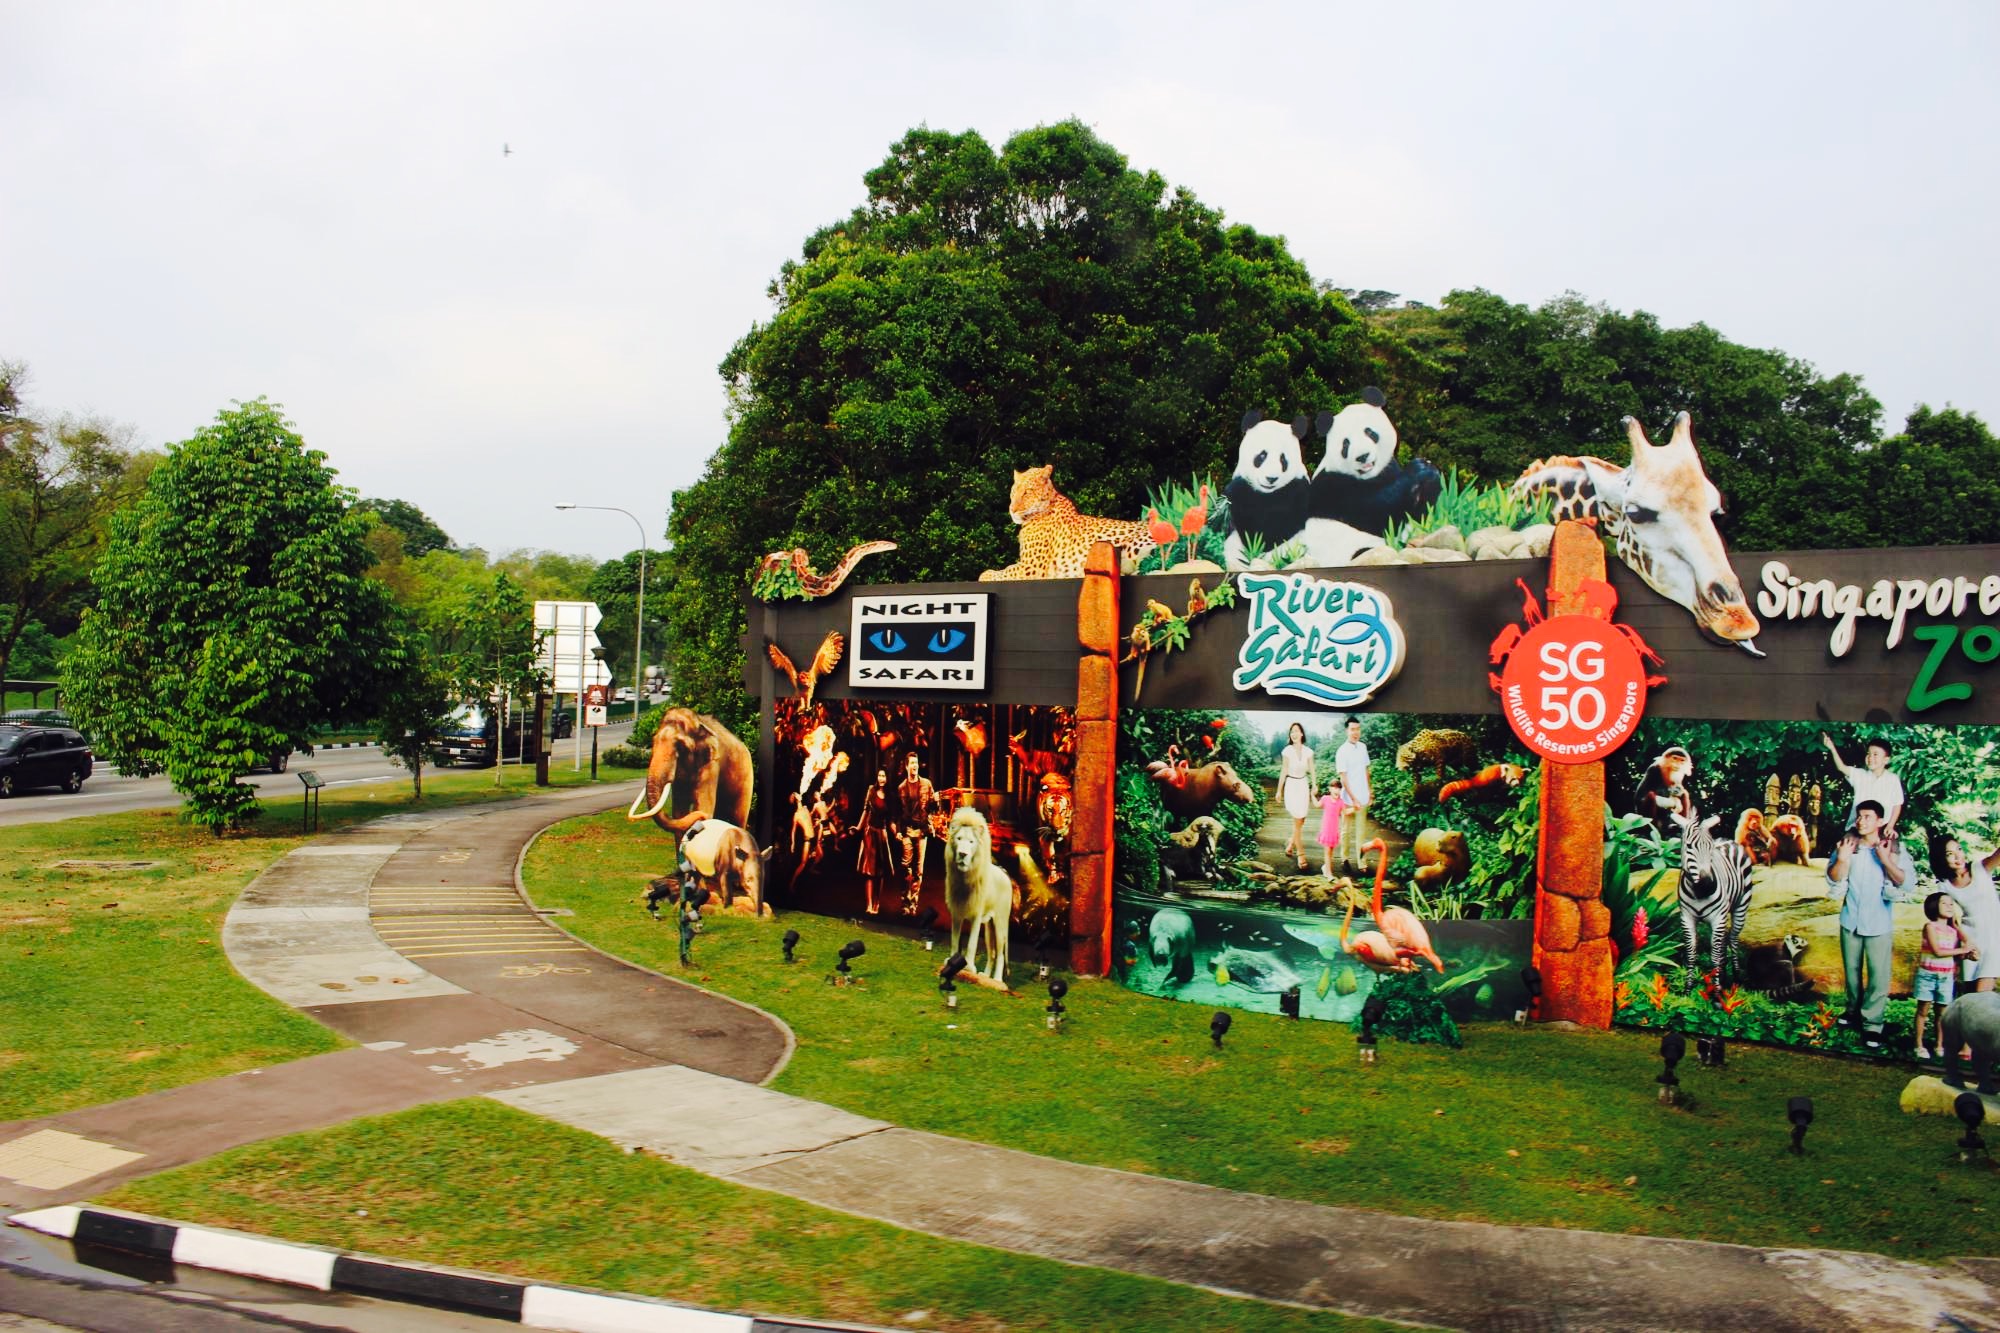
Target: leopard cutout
(1055,538)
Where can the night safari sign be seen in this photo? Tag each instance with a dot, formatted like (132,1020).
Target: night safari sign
(935,642)
(1328,643)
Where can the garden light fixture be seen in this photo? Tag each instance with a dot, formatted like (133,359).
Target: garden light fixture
(947,979)
(1288,1003)
(1799,1110)
(844,974)
(1217,1027)
(1711,1052)
(791,942)
(1971,1112)
(1373,1010)
(927,922)
(1531,977)
(1673,1048)
(1057,989)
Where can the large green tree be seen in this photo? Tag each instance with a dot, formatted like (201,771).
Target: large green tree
(232,617)
(979,313)
(1508,384)
(60,482)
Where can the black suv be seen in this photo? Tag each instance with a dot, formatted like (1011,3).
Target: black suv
(33,756)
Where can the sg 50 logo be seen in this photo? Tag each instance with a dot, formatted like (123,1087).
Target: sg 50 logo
(1573,689)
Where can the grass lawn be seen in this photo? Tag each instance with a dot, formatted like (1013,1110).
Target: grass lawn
(113,982)
(420,1185)
(1533,1126)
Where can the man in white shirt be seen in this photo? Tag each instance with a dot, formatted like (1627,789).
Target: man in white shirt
(1872,783)
(1351,764)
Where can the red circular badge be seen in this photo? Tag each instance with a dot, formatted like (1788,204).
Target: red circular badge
(1573,689)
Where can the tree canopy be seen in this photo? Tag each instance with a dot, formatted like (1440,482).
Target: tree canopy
(60,481)
(980,313)
(232,617)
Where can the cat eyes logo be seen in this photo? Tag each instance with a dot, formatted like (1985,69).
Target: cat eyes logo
(1330,643)
(935,642)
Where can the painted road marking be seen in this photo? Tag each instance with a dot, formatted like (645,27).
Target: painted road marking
(493,953)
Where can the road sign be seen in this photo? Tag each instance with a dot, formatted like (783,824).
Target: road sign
(568,641)
(595,715)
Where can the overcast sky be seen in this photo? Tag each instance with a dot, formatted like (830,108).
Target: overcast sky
(309,202)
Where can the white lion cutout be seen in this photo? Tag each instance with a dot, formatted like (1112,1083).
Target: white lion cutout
(977,892)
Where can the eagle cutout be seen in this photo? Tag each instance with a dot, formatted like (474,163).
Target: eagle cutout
(823,661)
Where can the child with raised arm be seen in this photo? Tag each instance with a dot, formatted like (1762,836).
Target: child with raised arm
(1944,945)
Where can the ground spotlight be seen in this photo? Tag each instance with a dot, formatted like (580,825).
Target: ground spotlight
(1288,1003)
(927,922)
(1057,989)
(791,942)
(1373,1009)
(1799,1111)
(1673,1048)
(1531,977)
(1712,1052)
(1971,1112)
(948,979)
(1217,1027)
(844,974)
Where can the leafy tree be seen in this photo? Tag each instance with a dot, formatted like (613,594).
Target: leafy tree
(421,534)
(419,695)
(232,614)
(614,586)
(977,314)
(60,481)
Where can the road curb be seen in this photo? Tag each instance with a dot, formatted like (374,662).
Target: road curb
(530,1304)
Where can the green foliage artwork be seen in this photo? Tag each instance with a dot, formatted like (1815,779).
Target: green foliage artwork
(233,616)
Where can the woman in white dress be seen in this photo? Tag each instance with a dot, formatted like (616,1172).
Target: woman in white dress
(1295,784)
(1971,883)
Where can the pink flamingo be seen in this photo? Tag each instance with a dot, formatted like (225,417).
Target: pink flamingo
(1372,947)
(1399,924)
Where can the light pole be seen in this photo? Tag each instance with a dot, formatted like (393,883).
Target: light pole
(639,618)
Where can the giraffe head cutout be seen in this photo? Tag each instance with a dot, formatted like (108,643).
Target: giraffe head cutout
(1661,513)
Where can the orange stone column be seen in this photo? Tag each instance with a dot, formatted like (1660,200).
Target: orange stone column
(1093,789)
(1572,947)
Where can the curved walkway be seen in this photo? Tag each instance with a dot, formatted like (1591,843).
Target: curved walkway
(474,998)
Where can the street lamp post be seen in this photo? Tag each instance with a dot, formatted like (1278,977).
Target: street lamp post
(639,618)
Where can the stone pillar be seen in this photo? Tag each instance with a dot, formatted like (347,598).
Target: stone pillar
(1572,926)
(1094,782)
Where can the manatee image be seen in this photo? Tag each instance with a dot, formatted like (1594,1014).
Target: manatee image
(1266,973)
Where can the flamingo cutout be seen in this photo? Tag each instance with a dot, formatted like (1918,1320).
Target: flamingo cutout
(1372,947)
(1399,924)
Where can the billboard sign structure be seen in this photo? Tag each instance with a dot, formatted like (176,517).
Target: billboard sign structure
(566,634)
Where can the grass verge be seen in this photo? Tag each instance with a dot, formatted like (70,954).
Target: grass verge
(1534,1126)
(419,1185)
(113,982)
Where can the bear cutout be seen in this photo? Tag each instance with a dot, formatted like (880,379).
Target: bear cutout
(1359,483)
(1269,495)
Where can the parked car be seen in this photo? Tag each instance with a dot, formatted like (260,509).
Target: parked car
(475,737)
(37,756)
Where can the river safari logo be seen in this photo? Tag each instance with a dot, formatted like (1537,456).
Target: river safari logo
(1314,639)
(933,642)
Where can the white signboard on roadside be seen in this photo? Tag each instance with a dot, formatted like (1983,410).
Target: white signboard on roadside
(568,640)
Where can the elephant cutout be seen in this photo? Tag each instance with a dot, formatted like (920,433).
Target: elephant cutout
(698,771)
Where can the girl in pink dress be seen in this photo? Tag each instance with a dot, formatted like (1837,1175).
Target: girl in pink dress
(1329,825)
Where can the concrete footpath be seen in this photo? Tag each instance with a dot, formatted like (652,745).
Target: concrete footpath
(413,937)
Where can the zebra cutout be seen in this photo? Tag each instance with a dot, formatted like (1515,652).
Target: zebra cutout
(1715,888)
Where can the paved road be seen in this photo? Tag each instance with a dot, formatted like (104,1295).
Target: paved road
(110,792)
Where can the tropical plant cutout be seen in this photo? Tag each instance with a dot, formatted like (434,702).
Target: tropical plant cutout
(1162,629)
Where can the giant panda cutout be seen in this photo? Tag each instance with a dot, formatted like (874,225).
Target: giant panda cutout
(1270,494)
(1359,484)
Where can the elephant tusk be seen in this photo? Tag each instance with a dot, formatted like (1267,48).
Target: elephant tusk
(666,793)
